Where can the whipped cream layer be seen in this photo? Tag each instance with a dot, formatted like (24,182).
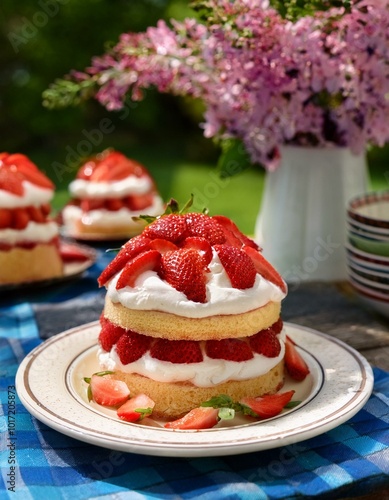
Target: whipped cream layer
(41,233)
(103,218)
(207,373)
(33,195)
(151,293)
(80,188)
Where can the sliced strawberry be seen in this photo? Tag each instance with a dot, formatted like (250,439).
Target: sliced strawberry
(5,218)
(206,227)
(201,245)
(36,214)
(72,253)
(132,346)
(107,391)
(266,342)
(198,418)
(85,171)
(109,333)
(233,234)
(91,204)
(264,268)
(184,270)
(132,248)
(170,227)
(294,362)
(29,170)
(270,405)
(228,349)
(136,408)
(140,201)
(177,351)
(238,266)
(162,246)
(11,181)
(46,209)
(20,218)
(114,204)
(145,261)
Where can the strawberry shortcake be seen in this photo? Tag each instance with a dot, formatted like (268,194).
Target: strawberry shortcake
(192,310)
(109,193)
(29,244)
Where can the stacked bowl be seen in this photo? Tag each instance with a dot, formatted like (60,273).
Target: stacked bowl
(368,249)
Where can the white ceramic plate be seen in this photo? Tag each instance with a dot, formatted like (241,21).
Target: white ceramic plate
(50,385)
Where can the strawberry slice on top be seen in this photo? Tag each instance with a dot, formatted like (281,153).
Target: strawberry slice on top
(264,268)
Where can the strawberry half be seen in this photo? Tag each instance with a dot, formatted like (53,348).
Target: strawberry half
(20,218)
(270,405)
(294,362)
(238,266)
(198,418)
(233,234)
(72,253)
(266,342)
(162,246)
(109,333)
(170,227)
(264,268)
(5,218)
(136,408)
(107,391)
(177,351)
(228,349)
(184,270)
(205,227)
(201,245)
(145,261)
(132,346)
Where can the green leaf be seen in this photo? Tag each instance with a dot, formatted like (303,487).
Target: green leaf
(292,404)
(63,93)
(226,413)
(144,412)
(234,159)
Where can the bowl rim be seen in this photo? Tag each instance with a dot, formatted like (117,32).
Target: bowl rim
(373,285)
(373,272)
(367,255)
(368,293)
(364,199)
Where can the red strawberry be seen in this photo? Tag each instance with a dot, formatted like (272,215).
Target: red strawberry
(91,204)
(294,362)
(107,391)
(132,248)
(114,204)
(145,261)
(177,351)
(233,234)
(228,349)
(136,408)
(201,245)
(184,270)
(20,218)
(5,218)
(264,268)
(71,253)
(11,181)
(162,246)
(270,405)
(206,227)
(109,333)
(36,214)
(198,418)
(46,209)
(266,342)
(238,265)
(132,346)
(85,171)
(170,227)
(140,202)
(28,170)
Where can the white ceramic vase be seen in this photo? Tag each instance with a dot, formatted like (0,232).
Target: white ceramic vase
(301,225)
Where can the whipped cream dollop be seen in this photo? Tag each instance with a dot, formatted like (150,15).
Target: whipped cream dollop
(41,233)
(153,293)
(33,195)
(207,373)
(103,218)
(80,188)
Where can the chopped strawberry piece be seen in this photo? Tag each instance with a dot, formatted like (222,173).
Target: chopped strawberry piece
(228,349)
(170,227)
(238,266)
(5,218)
(107,391)
(206,227)
(28,170)
(20,218)
(162,246)
(71,253)
(136,408)
(11,182)
(140,202)
(264,268)
(294,362)
(85,171)
(145,261)
(109,333)
(114,204)
(132,248)
(233,234)
(91,204)
(201,245)
(270,405)
(198,418)
(177,351)
(266,341)
(132,346)
(36,214)
(184,270)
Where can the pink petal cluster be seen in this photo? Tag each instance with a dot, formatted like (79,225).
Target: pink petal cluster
(322,80)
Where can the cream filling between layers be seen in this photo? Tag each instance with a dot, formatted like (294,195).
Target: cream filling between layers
(207,373)
(33,195)
(34,232)
(103,218)
(153,294)
(83,189)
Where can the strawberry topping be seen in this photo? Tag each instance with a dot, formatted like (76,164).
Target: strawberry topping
(177,351)
(132,346)
(171,227)
(206,227)
(238,266)
(264,268)
(266,342)
(109,333)
(145,261)
(270,405)
(228,349)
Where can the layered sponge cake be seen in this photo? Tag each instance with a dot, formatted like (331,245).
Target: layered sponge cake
(109,190)
(29,244)
(192,310)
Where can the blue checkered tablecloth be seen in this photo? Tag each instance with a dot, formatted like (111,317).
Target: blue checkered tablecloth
(38,462)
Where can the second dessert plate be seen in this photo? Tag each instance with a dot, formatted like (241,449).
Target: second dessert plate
(339,384)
